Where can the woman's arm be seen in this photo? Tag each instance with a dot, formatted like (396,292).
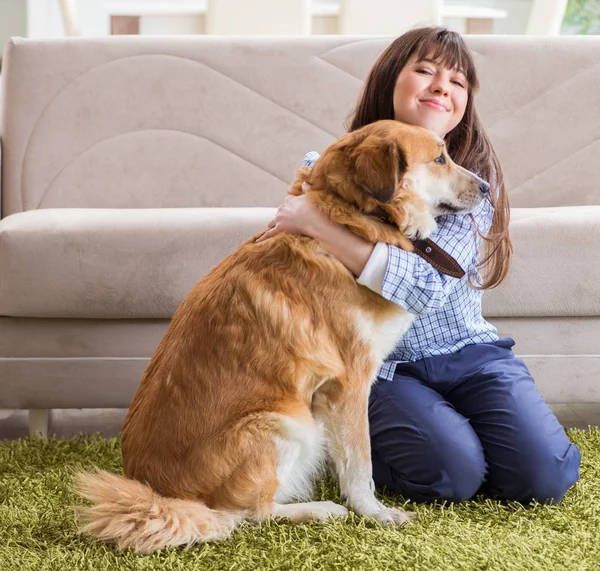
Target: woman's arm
(399,276)
(347,247)
(297,215)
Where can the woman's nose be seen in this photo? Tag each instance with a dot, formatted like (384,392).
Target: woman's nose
(439,85)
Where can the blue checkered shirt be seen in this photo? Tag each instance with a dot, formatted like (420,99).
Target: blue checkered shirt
(448,310)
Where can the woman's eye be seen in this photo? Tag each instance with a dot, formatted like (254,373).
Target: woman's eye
(459,84)
(425,71)
(441,160)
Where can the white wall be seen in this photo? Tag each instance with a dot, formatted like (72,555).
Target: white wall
(13,20)
(45,21)
(518,13)
(172,25)
(94,20)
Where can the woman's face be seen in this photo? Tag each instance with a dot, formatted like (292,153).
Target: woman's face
(431,96)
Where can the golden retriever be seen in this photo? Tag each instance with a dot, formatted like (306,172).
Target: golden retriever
(266,367)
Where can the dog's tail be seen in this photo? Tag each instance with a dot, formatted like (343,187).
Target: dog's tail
(132,515)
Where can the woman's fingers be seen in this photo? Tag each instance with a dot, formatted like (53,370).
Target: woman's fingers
(266,234)
(285,212)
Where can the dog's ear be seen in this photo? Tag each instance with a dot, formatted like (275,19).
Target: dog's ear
(378,165)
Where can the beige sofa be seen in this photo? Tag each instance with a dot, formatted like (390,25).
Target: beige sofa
(131,165)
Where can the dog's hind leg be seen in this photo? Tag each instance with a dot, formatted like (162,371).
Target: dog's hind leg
(282,454)
(302,452)
(309,511)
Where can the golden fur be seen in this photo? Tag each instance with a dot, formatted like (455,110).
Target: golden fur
(267,364)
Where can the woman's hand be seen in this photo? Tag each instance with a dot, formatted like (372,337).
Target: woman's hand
(297,215)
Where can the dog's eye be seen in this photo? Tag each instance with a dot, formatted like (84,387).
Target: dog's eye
(441,160)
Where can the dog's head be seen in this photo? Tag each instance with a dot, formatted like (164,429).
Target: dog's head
(400,169)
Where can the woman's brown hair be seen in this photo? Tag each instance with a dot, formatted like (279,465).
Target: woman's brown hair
(467,143)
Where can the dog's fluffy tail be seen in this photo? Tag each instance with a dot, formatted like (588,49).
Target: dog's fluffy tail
(132,515)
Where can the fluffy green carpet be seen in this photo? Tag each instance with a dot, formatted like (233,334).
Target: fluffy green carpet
(37,528)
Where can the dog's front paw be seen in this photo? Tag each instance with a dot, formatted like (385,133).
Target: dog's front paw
(422,226)
(373,508)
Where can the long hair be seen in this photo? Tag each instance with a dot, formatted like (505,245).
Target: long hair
(467,143)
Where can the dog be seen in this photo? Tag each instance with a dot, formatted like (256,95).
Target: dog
(266,367)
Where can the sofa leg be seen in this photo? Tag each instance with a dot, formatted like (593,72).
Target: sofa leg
(6,413)
(38,422)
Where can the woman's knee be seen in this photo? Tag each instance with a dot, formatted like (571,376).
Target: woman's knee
(422,448)
(453,473)
(551,480)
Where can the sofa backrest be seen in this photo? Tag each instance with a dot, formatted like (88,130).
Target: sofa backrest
(149,122)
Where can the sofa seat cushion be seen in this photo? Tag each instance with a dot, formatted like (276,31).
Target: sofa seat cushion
(140,263)
(556,264)
(114,263)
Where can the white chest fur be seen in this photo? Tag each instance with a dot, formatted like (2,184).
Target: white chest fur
(381,334)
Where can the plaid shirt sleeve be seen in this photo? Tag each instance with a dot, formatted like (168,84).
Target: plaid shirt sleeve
(310,159)
(416,285)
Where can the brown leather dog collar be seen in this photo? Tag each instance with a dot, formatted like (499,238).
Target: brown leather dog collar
(431,253)
(438,258)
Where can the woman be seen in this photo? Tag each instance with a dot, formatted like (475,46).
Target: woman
(454,412)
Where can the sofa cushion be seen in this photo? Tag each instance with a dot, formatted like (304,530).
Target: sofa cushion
(556,266)
(102,263)
(140,263)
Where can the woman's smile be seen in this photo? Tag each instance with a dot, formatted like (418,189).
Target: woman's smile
(434,104)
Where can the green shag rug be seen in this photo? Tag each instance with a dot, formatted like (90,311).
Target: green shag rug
(37,528)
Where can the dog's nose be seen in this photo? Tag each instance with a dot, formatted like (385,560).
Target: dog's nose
(484,187)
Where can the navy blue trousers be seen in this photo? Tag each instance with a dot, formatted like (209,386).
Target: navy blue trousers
(451,427)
